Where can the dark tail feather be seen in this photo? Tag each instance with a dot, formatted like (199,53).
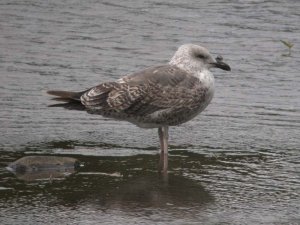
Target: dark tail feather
(66,95)
(71,105)
(71,99)
(63,99)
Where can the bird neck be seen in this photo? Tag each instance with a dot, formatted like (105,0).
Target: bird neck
(205,77)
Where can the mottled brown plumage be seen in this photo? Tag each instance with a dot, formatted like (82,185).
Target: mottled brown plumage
(163,95)
(156,97)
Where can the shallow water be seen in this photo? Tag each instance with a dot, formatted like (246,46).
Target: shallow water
(236,163)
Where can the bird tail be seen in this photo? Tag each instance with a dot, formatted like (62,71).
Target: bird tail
(71,100)
(66,95)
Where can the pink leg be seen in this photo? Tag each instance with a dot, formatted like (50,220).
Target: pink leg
(163,133)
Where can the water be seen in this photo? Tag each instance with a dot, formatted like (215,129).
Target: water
(236,163)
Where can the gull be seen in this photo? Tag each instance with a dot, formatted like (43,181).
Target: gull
(156,97)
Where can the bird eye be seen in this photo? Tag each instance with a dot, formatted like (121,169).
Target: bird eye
(200,56)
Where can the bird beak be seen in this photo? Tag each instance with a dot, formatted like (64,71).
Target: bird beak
(222,65)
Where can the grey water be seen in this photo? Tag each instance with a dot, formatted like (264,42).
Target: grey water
(236,163)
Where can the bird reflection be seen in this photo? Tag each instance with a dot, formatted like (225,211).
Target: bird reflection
(154,190)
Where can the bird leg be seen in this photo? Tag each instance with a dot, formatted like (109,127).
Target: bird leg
(163,133)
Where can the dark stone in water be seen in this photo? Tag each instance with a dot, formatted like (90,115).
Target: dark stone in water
(31,168)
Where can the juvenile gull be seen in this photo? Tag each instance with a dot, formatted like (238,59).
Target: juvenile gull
(156,97)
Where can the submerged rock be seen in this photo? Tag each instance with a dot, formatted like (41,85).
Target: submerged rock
(31,168)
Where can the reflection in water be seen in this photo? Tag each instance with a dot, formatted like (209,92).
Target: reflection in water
(153,190)
(112,188)
(132,193)
(127,183)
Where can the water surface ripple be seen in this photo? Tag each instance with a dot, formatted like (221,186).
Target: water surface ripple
(236,163)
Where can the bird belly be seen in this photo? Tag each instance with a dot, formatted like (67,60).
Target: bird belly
(175,116)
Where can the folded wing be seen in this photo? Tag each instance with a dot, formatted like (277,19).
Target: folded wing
(146,92)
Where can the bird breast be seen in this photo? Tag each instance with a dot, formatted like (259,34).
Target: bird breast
(207,81)
(206,78)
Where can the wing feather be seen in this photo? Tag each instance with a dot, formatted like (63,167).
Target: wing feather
(148,91)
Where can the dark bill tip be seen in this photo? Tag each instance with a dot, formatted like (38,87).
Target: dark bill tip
(222,65)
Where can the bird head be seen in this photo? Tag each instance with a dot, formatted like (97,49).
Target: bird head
(194,58)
